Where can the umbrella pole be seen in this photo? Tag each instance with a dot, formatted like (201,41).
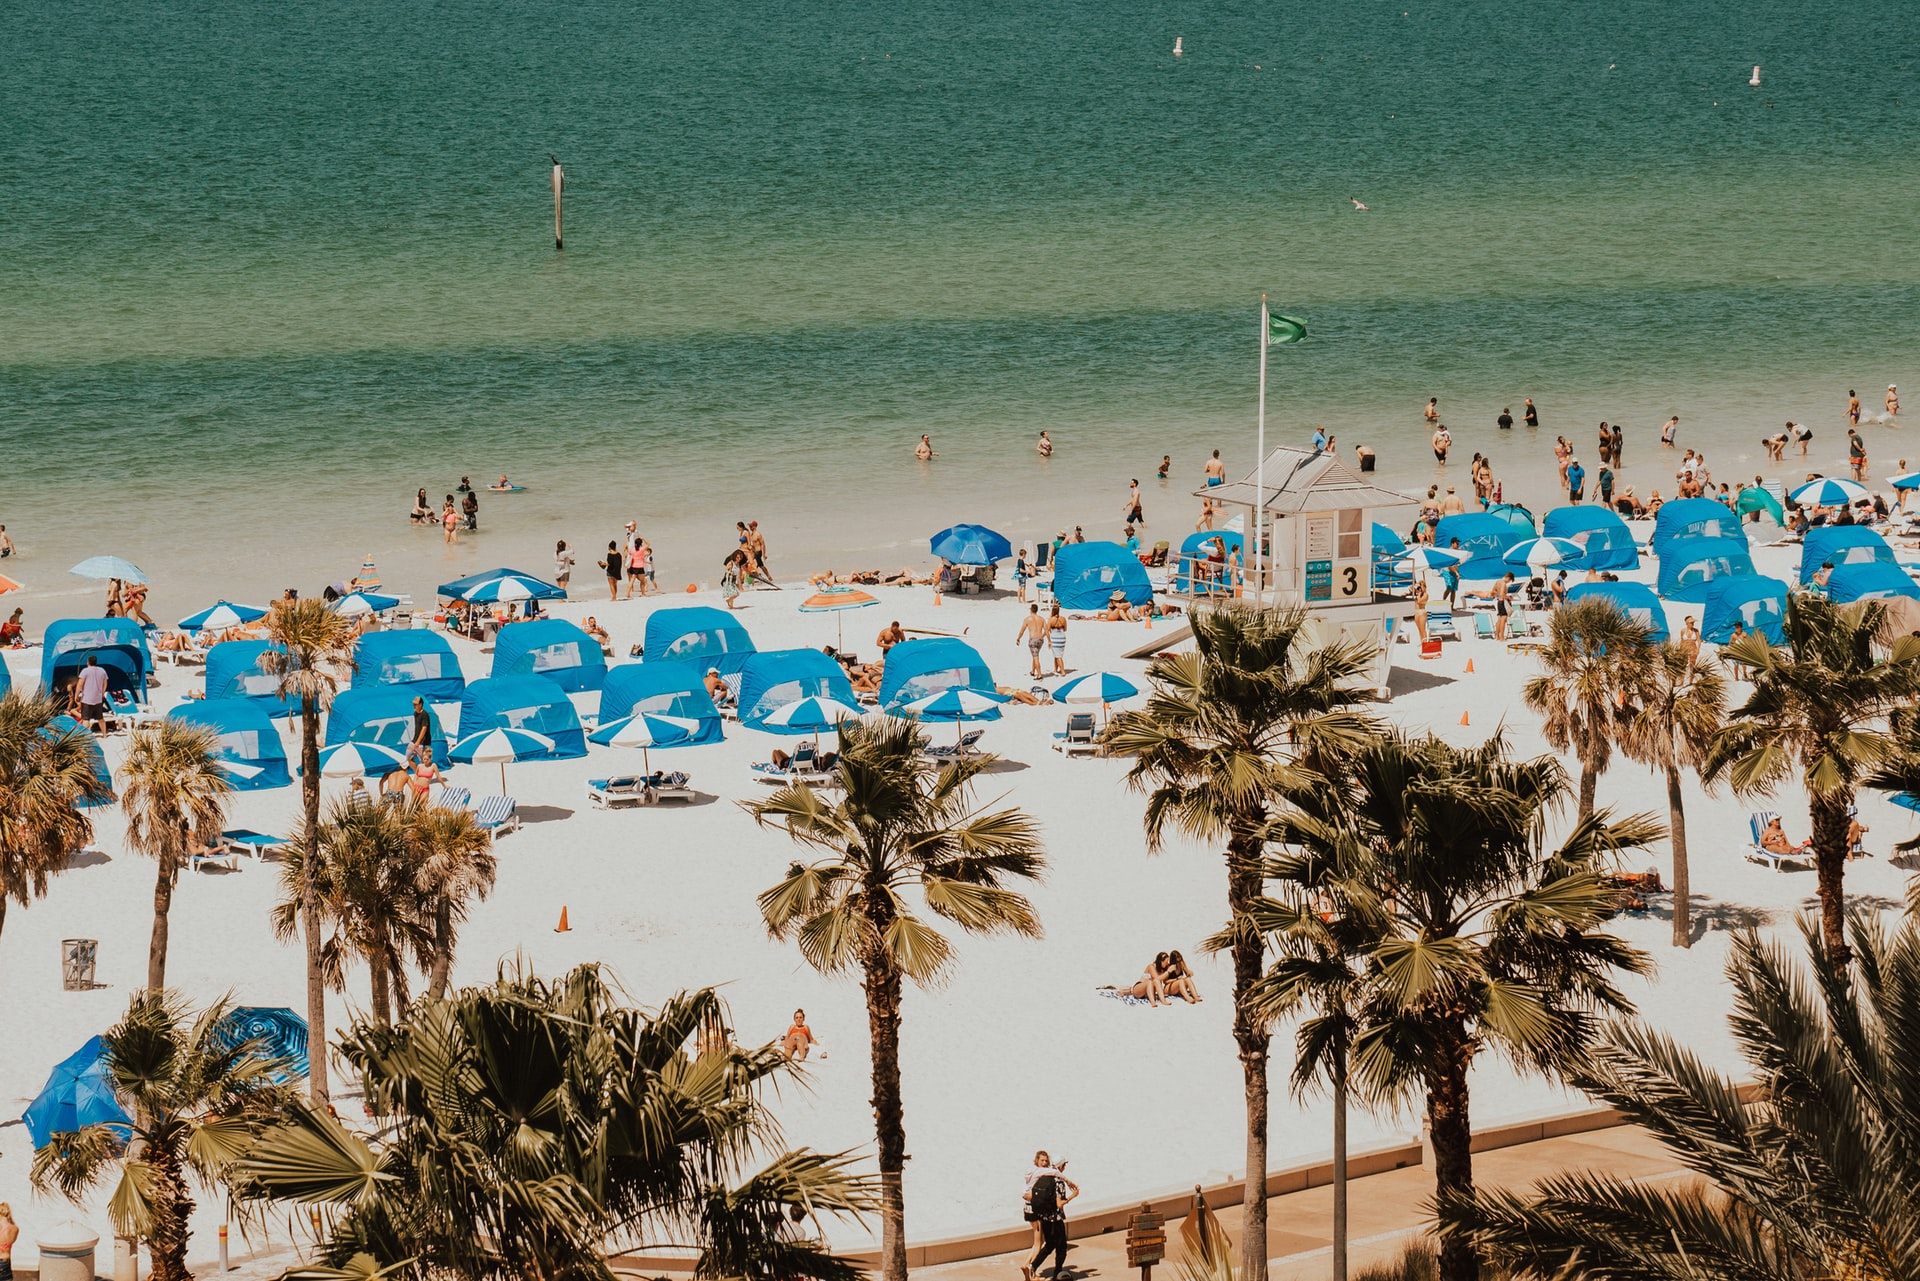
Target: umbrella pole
(503,778)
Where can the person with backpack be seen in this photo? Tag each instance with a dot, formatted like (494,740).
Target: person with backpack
(1048,1191)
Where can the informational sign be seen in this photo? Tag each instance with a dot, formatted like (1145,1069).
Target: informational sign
(1319,538)
(1319,585)
(1146,1239)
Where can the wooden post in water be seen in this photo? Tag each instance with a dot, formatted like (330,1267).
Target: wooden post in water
(559,183)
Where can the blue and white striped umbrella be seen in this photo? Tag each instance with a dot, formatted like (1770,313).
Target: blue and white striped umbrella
(957,704)
(354,604)
(502,745)
(809,716)
(1909,481)
(1431,558)
(1827,492)
(220,616)
(646,731)
(1096,687)
(1536,552)
(352,760)
(509,587)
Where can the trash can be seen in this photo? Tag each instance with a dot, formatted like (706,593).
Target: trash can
(76,963)
(66,1252)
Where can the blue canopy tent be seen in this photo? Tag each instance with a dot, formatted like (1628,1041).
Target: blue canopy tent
(61,724)
(661,689)
(79,1092)
(235,670)
(1842,545)
(697,634)
(381,714)
(1608,541)
(247,737)
(414,659)
(465,588)
(524,702)
(119,643)
(921,668)
(1757,603)
(553,648)
(1194,550)
(1086,575)
(1484,537)
(771,680)
(1635,600)
(1694,518)
(1870,581)
(1689,565)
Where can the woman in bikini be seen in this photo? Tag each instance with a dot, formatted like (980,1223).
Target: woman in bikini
(1151,986)
(1179,979)
(799,1039)
(1057,638)
(421,778)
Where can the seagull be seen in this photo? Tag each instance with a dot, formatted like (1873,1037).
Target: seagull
(1357,206)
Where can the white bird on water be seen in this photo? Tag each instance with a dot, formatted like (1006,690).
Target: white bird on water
(1177,50)
(1755,81)
(1357,206)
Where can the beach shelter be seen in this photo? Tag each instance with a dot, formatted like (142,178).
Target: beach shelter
(236,669)
(919,669)
(1515,515)
(1635,600)
(1485,537)
(1694,518)
(61,724)
(971,545)
(1870,581)
(553,648)
(1756,602)
(119,643)
(381,714)
(79,1092)
(1086,575)
(247,737)
(1842,545)
(1688,565)
(1608,541)
(501,585)
(1755,499)
(1388,547)
(671,689)
(414,659)
(282,1034)
(524,702)
(1197,547)
(697,634)
(771,681)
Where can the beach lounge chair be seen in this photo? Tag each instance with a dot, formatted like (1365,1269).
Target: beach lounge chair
(244,840)
(1483,626)
(1758,853)
(1156,558)
(219,852)
(454,798)
(611,793)
(1078,739)
(1440,625)
(676,786)
(967,746)
(496,813)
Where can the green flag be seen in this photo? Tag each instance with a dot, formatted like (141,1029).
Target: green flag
(1284,328)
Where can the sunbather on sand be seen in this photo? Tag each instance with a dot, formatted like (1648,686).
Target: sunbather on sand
(1018,695)
(1179,979)
(1774,841)
(1151,985)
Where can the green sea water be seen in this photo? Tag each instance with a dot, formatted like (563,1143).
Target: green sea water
(266,270)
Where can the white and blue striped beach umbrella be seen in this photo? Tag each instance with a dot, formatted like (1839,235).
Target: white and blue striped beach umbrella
(352,760)
(220,616)
(810,715)
(1538,552)
(1828,492)
(1096,687)
(1433,558)
(957,704)
(508,587)
(646,731)
(1909,481)
(354,604)
(501,745)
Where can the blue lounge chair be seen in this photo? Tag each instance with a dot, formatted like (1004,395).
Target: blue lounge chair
(1078,737)
(496,813)
(243,840)
(454,798)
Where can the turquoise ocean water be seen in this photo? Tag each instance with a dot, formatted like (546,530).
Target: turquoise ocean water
(263,271)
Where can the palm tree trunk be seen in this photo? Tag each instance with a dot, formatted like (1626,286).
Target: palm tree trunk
(442,949)
(310,901)
(382,990)
(1340,1163)
(402,998)
(1589,787)
(1243,887)
(1451,1132)
(1830,860)
(172,1210)
(889,1124)
(157,947)
(1682,879)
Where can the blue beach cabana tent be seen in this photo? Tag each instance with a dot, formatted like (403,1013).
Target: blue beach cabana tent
(1086,575)
(661,689)
(1870,581)
(778,677)
(1758,603)
(524,702)
(1484,537)
(415,659)
(1694,518)
(67,724)
(919,669)
(553,648)
(1608,541)
(1842,545)
(119,643)
(247,736)
(1689,565)
(1194,550)
(6,678)
(235,670)
(697,634)
(381,714)
(1635,600)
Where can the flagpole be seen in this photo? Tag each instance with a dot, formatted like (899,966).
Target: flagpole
(1260,465)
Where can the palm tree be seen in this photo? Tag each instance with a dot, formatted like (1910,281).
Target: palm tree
(1596,658)
(1822,1181)
(901,824)
(175,795)
(1680,708)
(46,775)
(1478,935)
(366,868)
(1223,729)
(315,646)
(531,1128)
(198,1096)
(1817,715)
(454,861)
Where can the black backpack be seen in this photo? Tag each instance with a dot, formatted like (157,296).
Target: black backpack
(1044,1199)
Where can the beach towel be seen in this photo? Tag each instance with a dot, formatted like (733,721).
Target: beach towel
(1125,998)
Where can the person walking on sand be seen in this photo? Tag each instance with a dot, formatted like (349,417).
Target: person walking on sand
(1033,630)
(1132,514)
(615,565)
(1576,481)
(924,450)
(562,565)
(1216,470)
(800,1039)
(1057,638)
(422,730)
(1047,1195)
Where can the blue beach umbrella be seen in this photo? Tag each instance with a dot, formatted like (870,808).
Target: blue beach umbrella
(1909,481)
(1827,492)
(354,604)
(971,545)
(220,616)
(1537,552)
(79,1092)
(282,1033)
(500,745)
(1096,687)
(646,731)
(104,567)
(809,716)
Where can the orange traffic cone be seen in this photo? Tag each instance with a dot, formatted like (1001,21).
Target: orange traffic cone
(1469,667)
(936,599)
(1463,718)
(563,927)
